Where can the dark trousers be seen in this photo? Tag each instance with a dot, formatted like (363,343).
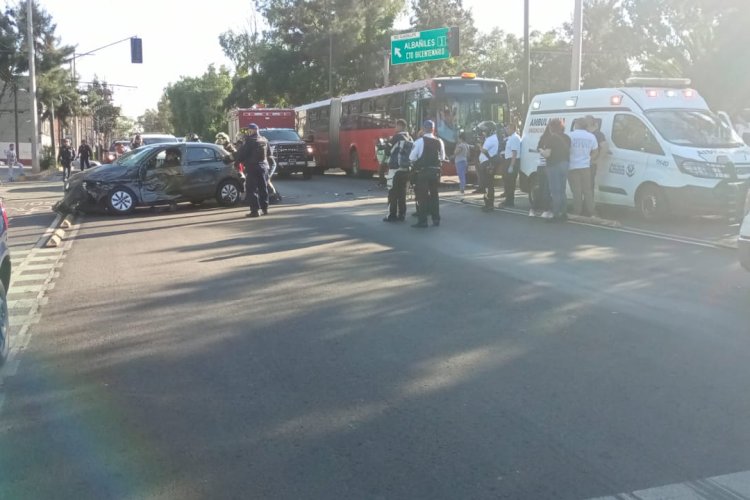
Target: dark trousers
(84,161)
(66,170)
(256,187)
(397,195)
(509,182)
(487,174)
(426,192)
(542,198)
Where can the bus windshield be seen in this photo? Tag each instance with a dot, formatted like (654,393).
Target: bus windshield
(696,128)
(463,114)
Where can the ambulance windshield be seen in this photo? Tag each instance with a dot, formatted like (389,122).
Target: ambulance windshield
(695,128)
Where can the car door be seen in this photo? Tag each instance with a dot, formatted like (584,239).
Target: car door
(632,150)
(202,168)
(162,176)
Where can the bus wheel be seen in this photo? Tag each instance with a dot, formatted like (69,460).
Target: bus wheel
(651,202)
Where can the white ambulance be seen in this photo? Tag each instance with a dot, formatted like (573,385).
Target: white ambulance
(667,152)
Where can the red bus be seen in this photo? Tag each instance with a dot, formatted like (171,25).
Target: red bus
(345,130)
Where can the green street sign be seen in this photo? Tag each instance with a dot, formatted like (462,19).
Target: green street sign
(422,46)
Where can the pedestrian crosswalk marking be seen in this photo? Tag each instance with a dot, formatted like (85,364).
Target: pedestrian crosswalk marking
(730,487)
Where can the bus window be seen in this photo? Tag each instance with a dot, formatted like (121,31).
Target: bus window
(410,111)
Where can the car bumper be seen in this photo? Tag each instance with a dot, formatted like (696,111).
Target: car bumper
(726,198)
(292,167)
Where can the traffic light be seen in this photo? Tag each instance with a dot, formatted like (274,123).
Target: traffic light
(453,44)
(136,50)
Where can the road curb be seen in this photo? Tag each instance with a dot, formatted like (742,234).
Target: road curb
(55,233)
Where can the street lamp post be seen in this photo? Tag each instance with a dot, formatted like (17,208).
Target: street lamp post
(527,58)
(15,115)
(575,69)
(32,89)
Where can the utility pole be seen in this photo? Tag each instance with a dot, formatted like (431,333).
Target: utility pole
(527,59)
(15,114)
(32,89)
(575,69)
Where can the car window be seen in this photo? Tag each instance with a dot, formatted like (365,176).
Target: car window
(197,155)
(170,157)
(629,132)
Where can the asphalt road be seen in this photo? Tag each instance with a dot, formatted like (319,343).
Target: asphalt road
(320,353)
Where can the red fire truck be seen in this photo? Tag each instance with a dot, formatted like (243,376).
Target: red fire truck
(263,117)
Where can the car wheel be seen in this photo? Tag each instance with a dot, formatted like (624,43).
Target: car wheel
(307,174)
(4,324)
(228,193)
(651,202)
(121,201)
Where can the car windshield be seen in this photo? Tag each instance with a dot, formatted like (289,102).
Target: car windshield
(696,128)
(280,135)
(457,114)
(132,158)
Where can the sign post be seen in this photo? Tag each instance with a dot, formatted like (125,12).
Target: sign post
(423,46)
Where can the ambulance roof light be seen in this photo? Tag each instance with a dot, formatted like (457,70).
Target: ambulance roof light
(616,100)
(469,76)
(641,81)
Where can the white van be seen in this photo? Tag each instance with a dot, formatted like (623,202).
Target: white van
(667,151)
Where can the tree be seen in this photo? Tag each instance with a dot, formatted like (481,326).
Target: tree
(157,120)
(704,40)
(290,62)
(98,100)
(55,87)
(197,104)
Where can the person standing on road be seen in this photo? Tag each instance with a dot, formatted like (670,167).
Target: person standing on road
(274,196)
(11,159)
(541,202)
(66,157)
(461,159)
(556,149)
(398,172)
(510,174)
(84,155)
(253,155)
(137,142)
(427,156)
(601,152)
(488,162)
(583,147)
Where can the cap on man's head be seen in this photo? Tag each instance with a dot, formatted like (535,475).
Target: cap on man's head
(428,125)
(253,126)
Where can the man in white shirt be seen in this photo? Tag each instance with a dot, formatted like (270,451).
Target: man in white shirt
(488,162)
(11,159)
(427,156)
(512,158)
(583,146)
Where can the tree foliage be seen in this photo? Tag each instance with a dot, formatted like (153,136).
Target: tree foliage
(197,104)
(157,120)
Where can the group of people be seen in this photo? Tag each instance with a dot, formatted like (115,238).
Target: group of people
(568,159)
(253,156)
(564,159)
(67,155)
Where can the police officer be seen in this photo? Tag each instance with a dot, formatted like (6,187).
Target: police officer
(426,156)
(488,161)
(65,157)
(253,155)
(398,173)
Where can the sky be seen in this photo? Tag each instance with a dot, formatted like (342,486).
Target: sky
(181,39)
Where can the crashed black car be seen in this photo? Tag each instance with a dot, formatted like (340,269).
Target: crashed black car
(153,175)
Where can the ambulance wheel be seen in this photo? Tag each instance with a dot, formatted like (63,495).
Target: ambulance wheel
(651,202)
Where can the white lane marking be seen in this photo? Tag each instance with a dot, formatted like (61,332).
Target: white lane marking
(727,487)
(30,277)
(635,232)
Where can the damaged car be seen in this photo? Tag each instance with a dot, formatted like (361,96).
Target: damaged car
(155,175)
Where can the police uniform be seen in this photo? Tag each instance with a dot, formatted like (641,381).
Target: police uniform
(253,155)
(426,155)
(398,177)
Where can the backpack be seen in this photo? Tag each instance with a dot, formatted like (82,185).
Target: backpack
(403,153)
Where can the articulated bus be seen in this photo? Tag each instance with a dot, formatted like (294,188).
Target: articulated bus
(345,130)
